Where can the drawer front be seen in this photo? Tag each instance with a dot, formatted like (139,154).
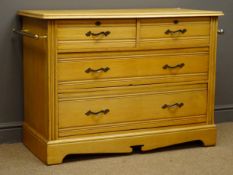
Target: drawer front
(93,68)
(175,32)
(95,34)
(171,28)
(130,108)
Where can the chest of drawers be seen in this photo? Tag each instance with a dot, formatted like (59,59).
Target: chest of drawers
(105,81)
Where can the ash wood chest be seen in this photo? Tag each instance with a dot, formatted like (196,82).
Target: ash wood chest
(104,81)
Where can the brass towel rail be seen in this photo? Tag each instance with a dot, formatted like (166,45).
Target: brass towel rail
(29,34)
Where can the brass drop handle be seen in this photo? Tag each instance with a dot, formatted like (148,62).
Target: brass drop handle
(166,66)
(182,31)
(89,70)
(97,113)
(97,34)
(179,105)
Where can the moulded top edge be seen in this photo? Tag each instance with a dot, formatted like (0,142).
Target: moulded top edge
(117,13)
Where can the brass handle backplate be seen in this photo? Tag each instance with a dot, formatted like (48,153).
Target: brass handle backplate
(166,66)
(179,105)
(97,34)
(89,70)
(182,31)
(97,113)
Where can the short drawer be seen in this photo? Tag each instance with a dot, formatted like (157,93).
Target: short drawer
(175,32)
(150,64)
(132,107)
(95,34)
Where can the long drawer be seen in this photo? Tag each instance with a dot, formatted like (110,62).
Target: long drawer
(124,66)
(136,106)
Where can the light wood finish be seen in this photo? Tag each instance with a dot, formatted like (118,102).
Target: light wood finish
(177,21)
(212,70)
(120,142)
(117,13)
(193,27)
(58,92)
(101,81)
(72,132)
(178,42)
(79,33)
(72,35)
(72,113)
(34,142)
(52,80)
(36,78)
(131,66)
(77,29)
(122,91)
(72,86)
(90,45)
